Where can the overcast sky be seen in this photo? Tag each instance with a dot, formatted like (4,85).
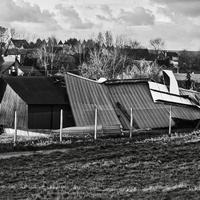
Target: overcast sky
(177,22)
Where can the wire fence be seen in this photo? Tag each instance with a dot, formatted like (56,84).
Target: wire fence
(97,129)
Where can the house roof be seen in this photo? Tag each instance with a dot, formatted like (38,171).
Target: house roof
(172,54)
(137,54)
(19,51)
(84,96)
(20,43)
(60,43)
(37,90)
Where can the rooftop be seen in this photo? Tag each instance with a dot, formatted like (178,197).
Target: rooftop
(37,90)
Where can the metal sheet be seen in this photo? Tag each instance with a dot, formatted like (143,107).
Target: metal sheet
(173,87)
(159,93)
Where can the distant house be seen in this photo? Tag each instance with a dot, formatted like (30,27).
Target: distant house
(173,55)
(60,43)
(168,60)
(37,100)
(174,59)
(16,47)
(137,54)
(10,68)
(15,68)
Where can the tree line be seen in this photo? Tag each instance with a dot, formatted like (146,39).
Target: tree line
(102,56)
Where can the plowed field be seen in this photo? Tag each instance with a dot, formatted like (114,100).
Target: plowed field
(112,169)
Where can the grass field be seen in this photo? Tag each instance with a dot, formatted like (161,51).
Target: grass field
(159,168)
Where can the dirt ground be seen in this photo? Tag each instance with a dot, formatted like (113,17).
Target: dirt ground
(158,169)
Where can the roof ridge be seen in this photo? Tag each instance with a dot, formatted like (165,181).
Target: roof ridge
(81,77)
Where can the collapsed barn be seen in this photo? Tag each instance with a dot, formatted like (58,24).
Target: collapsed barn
(39,100)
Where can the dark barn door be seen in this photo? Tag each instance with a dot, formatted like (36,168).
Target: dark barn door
(39,117)
(48,116)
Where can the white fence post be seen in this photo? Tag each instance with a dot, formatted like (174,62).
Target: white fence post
(15,126)
(131,123)
(95,125)
(61,124)
(170,121)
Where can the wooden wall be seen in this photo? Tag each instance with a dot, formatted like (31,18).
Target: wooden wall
(11,102)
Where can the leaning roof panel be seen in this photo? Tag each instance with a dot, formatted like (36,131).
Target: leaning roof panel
(84,95)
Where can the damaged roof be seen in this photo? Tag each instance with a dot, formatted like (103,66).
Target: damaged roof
(146,113)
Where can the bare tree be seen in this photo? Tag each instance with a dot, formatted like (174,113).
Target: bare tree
(51,44)
(120,41)
(134,44)
(100,38)
(3,37)
(143,69)
(157,44)
(102,63)
(42,55)
(108,39)
(13,33)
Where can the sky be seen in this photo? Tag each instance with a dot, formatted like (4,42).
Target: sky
(177,22)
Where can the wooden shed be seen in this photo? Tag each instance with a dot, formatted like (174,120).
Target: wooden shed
(37,100)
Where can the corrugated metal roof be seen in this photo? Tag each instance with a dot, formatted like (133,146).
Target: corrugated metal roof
(37,90)
(147,114)
(84,94)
